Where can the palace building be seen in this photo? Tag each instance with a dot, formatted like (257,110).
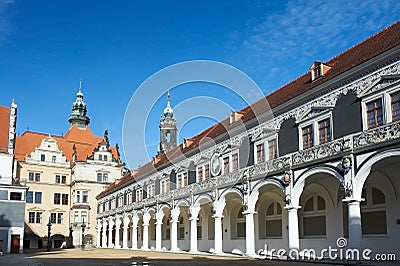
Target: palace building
(323,167)
(64,174)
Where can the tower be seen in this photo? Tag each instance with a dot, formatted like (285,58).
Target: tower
(167,129)
(78,116)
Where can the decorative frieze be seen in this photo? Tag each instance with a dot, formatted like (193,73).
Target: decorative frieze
(377,135)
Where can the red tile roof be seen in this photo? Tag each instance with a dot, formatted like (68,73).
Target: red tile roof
(4,128)
(356,55)
(83,139)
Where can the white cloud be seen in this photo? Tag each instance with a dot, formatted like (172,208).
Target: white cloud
(315,30)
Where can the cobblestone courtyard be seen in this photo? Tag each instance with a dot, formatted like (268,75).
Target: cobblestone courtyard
(108,257)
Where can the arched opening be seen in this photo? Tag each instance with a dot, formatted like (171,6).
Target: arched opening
(270,218)
(378,183)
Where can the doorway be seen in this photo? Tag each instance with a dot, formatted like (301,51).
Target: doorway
(14,244)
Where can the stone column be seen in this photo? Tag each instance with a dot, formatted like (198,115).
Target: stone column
(145,236)
(250,241)
(355,232)
(174,235)
(110,229)
(134,237)
(218,234)
(193,234)
(104,241)
(98,242)
(125,234)
(117,232)
(293,226)
(158,235)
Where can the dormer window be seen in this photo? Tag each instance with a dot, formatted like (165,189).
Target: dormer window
(318,69)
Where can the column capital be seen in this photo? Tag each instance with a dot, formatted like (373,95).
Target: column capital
(217,216)
(292,208)
(249,212)
(352,201)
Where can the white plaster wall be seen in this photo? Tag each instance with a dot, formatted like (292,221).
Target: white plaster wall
(6,162)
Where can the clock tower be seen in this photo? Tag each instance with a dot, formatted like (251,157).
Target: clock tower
(168,131)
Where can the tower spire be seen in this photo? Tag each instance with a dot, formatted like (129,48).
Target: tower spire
(168,130)
(78,116)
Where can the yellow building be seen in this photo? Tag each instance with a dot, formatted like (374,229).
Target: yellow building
(64,174)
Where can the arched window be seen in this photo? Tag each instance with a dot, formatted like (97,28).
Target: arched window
(273,220)
(181,228)
(373,211)
(199,229)
(314,219)
(240,224)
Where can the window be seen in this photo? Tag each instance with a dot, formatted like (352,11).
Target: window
(314,221)
(56,218)
(203,173)
(395,100)
(139,195)
(85,196)
(34,176)
(240,224)
(61,179)
(273,220)
(84,216)
(60,198)
(32,196)
(200,174)
(35,217)
(150,190)
(76,216)
(100,157)
(81,196)
(57,198)
(105,157)
(38,197)
(165,185)
(77,196)
(60,218)
(29,197)
(129,198)
(307,137)
(235,162)
(181,228)
(64,198)
(324,131)
(272,149)
(121,200)
(113,203)
(31,218)
(102,177)
(260,153)
(374,113)
(206,172)
(15,195)
(53,159)
(42,157)
(182,180)
(373,212)
(226,165)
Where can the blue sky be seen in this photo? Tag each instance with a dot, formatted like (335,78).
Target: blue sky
(46,47)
